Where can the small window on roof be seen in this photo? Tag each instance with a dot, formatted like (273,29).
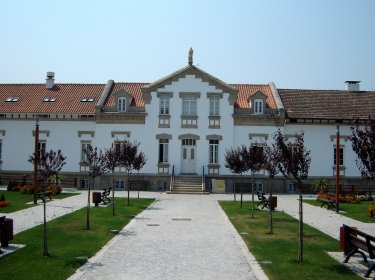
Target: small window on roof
(87,99)
(49,99)
(11,99)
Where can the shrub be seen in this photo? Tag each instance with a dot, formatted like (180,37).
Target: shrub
(27,189)
(54,189)
(2,198)
(12,185)
(344,198)
(4,203)
(371,210)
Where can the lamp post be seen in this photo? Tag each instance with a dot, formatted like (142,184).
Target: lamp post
(36,159)
(337,166)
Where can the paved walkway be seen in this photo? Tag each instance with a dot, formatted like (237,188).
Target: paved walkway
(178,237)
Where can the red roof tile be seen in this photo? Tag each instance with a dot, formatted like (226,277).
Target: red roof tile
(134,89)
(246,90)
(68,98)
(328,104)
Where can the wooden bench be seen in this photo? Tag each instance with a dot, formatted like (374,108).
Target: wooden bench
(41,195)
(263,200)
(331,204)
(355,241)
(104,196)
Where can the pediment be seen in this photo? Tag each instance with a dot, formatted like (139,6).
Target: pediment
(258,95)
(183,72)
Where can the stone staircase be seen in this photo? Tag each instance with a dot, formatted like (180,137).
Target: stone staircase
(187,184)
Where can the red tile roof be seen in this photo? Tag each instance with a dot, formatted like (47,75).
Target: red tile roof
(328,104)
(134,89)
(246,90)
(68,98)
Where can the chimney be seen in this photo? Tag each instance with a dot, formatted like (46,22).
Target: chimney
(352,85)
(50,81)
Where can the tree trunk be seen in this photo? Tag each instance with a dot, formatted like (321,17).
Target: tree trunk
(113,192)
(270,200)
(241,191)
(300,237)
(252,195)
(234,189)
(128,203)
(138,183)
(88,204)
(45,251)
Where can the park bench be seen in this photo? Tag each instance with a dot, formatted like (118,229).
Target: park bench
(355,241)
(331,204)
(42,195)
(104,196)
(263,200)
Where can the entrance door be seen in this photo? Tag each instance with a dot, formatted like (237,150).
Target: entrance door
(188,156)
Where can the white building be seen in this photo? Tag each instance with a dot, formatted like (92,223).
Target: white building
(184,122)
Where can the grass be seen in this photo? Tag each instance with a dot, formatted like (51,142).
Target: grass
(279,251)
(18,200)
(67,239)
(355,211)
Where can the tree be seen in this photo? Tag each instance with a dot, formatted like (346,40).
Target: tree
(253,158)
(112,161)
(270,164)
(96,162)
(234,162)
(294,163)
(50,164)
(128,153)
(139,161)
(363,144)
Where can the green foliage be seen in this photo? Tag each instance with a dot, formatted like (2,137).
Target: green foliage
(26,189)
(54,189)
(320,185)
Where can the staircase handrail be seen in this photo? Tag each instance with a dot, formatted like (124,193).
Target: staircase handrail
(203,181)
(172,180)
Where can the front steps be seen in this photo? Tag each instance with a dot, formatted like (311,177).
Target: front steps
(187,184)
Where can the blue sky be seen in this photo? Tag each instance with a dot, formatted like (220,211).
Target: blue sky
(295,43)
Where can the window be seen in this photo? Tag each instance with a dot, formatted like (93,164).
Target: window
(163,150)
(292,188)
(214,105)
(1,148)
(341,149)
(11,99)
(258,186)
(119,184)
(214,151)
(84,183)
(121,104)
(49,99)
(84,147)
(189,105)
(164,105)
(87,99)
(41,148)
(258,106)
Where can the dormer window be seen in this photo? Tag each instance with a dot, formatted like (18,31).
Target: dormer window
(121,104)
(258,107)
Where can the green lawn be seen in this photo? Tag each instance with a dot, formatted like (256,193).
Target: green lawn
(67,239)
(351,210)
(279,251)
(18,200)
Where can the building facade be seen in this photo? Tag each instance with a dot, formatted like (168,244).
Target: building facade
(184,123)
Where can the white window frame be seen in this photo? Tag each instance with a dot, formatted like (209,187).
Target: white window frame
(163,150)
(84,183)
(189,105)
(42,148)
(119,184)
(213,151)
(121,104)
(84,146)
(214,105)
(341,148)
(164,105)
(258,107)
